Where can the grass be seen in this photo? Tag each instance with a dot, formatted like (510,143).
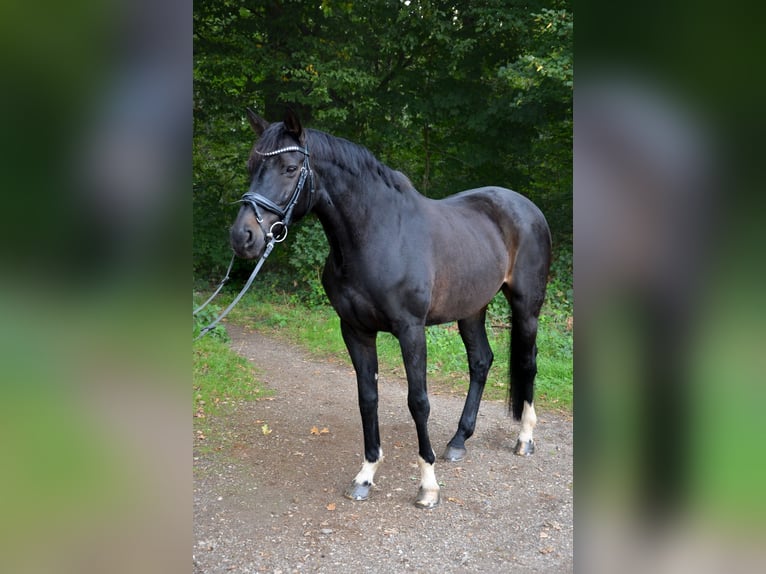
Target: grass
(220,376)
(317,329)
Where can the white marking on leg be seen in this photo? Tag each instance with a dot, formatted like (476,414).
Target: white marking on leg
(528,422)
(427,475)
(367,474)
(428,493)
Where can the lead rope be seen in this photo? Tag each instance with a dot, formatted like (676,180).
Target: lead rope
(220,285)
(211,326)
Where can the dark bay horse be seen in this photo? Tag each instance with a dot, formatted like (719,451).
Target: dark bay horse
(398,262)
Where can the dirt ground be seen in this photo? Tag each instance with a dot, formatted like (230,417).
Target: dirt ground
(268,492)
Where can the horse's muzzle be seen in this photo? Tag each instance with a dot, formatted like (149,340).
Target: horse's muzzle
(246,240)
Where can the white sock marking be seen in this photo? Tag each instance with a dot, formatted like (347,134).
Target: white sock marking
(528,422)
(427,475)
(367,474)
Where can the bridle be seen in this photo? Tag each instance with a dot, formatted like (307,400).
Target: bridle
(256,200)
(271,236)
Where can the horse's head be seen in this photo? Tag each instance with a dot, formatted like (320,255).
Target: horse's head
(281,185)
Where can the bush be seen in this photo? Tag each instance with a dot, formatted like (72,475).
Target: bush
(560,298)
(204,318)
(307,254)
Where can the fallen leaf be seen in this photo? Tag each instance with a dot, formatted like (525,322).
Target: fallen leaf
(331,506)
(265,429)
(314,430)
(455,500)
(325,430)
(546,550)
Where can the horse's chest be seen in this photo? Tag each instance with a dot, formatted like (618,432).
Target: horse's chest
(357,307)
(375,301)
(355,303)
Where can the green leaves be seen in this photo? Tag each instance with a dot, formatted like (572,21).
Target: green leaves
(455,94)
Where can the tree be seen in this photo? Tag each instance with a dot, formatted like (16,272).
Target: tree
(454,94)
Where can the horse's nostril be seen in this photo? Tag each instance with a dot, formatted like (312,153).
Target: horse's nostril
(241,236)
(247,235)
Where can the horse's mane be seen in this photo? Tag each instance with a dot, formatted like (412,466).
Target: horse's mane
(355,159)
(343,154)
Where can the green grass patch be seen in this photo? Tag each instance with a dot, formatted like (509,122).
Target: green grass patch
(221,377)
(317,329)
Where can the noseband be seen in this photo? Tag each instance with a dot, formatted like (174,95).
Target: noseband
(256,200)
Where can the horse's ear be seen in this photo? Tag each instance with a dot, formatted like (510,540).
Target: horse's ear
(293,124)
(258,124)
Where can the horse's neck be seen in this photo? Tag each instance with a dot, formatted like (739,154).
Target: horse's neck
(352,203)
(340,205)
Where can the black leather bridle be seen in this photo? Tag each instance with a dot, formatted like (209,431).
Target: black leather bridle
(278,230)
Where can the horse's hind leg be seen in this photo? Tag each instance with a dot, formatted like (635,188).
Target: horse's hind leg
(364,356)
(525,295)
(474,335)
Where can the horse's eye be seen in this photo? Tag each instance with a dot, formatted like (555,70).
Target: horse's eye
(291,168)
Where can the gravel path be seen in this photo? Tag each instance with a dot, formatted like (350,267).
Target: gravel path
(268,491)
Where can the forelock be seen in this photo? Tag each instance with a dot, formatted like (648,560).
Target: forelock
(270,140)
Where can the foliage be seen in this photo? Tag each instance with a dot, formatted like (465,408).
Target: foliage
(560,297)
(445,350)
(455,94)
(204,318)
(307,257)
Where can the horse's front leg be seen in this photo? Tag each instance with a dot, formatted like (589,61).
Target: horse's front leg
(412,340)
(364,356)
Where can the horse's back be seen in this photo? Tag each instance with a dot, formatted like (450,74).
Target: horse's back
(514,214)
(500,198)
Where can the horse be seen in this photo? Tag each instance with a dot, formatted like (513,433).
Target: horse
(399,262)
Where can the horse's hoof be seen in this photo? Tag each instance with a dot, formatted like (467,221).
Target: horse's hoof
(524,447)
(453,454)
(358,491)
(427,498)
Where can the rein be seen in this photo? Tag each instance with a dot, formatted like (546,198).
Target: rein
(272,236)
